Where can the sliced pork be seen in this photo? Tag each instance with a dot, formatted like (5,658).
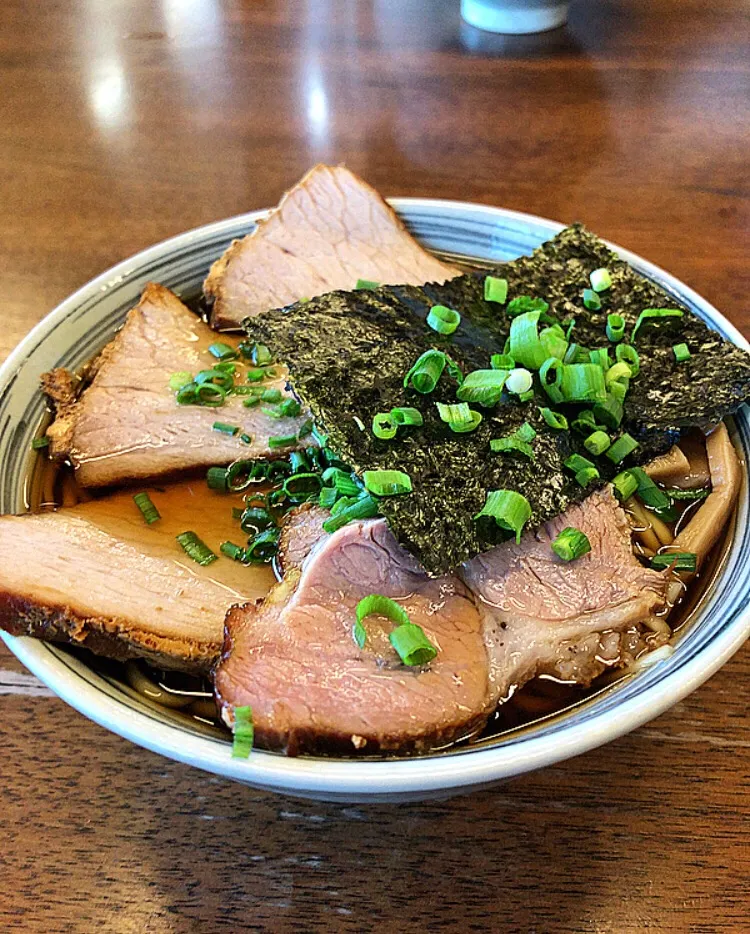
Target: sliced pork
(328,231)
(127,425)
(293,659)
(543,615)
(95,575)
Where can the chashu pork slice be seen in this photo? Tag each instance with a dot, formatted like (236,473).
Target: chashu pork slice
(566,619)
(96,575)
(293,659)
(127,425)
(328,231)
(525,612)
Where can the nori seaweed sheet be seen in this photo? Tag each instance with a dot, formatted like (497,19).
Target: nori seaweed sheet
(348,352)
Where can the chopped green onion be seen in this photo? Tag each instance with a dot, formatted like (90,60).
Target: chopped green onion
(225,429)
(442,319)
(572,354)
(306,483)
(364,507)
(526,432)
(553,342)
(261,355)
(524,304)
(243,732)
(577,462)
(235,552)
(585,476)
(648,492)
(412,645)
(328,496)
(216,478)
(222,351)
(384,426)
(552,385)
(346,485)
(600,280)
(600,357)
(290,408)
(618,391)
(591,300)
(366,284)
(583,382)
(196,549)
(585,423)
(512,444)
(615,327)
(502,361)
(626,353)
(677,560)
(216,377)
(255,519)
(609,412)
(305,428)
(458,416)
(571,324)
(518,381)
(386,482)
(681,352)
(625,485)
(406,416)
(251,401)
(426,372)
(624,446)
(652,315)
(263,547)
(377,605)
(688,494)
(271,395)
(281,441)
(485,387)
(178,380)
(39,443)
(495,290)
(526,396)
(597,443)
(509,509)
(525,345)
(619,373)
(149,512)
(571,544)
(255,375)
(554,419)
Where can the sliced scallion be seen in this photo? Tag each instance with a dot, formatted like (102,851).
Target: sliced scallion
(583,382)
(149,512)
(600,280)
(502,361)
(364,507)
(600,357)
(676,560)
(426,372)
(591,300)
(512,444)
(263,547)
(216,478)
(586,476)
(384,426)
(621,448)
(654,315)
(615,328)
(625,485)
(178,380)
(484,387)
(412,645)
(442,319)
(225,429)
(519,381)
(551,377)
(222,351)
(577,462)
(243,732)
(387,482)
(367,284)
(571,544)
(597,443)
(495,290)
(235,552)
(626,353)
(681,352)
(403,415)
(525,303)
(38,444)
(509,509)
(196,549)
(610,411)
(281,441)
(554,419)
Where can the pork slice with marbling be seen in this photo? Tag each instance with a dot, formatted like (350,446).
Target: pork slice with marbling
(294,660)
(127,425)
(543,615)
(328,231)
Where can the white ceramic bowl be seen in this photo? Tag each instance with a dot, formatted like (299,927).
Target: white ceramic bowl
(79,327)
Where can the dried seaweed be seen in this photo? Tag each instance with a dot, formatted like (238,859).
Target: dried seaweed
(348,353)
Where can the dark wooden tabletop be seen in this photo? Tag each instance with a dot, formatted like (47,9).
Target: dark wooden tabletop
(127,122)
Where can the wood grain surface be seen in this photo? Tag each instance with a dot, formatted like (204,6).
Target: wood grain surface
(127,121)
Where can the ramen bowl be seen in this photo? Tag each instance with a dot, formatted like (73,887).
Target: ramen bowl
(75,331)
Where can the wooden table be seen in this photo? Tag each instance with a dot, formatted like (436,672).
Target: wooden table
(127,122)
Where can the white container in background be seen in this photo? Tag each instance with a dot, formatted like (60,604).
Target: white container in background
(514,16)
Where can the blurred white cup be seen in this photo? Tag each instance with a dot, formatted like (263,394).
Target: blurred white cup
(515,16)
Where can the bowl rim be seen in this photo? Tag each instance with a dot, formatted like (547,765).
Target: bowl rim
(364,778)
